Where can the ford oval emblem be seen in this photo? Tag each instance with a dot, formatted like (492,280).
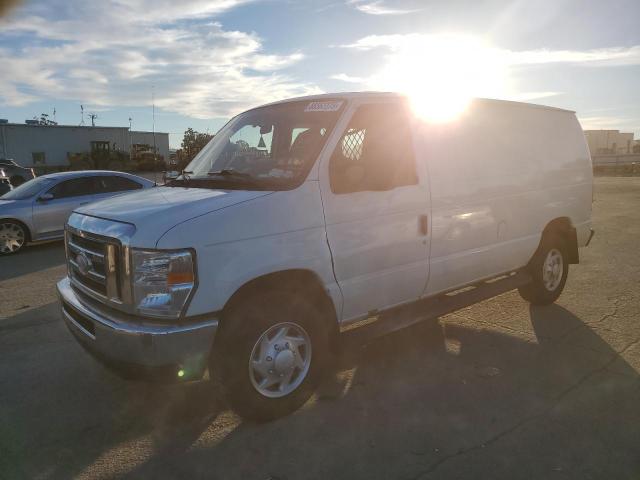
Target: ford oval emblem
(83,262)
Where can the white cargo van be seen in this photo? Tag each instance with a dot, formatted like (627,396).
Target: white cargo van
(304,218)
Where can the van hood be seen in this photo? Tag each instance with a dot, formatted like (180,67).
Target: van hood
(153,211)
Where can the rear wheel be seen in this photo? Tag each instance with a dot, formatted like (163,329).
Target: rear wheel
(12,237)
(549,268)
(270,354)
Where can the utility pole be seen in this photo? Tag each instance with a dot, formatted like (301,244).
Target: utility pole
(130,144)
(153,128)
(82,115)
(93,117)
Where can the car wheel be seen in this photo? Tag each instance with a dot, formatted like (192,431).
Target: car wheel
(549,268)
(270,355)
(13,236)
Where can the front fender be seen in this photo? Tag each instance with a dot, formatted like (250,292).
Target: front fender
(223,269)
(245,241)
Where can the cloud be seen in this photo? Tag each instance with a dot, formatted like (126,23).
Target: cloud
(111,53)
(609,123)
(343,77)
(615,56)
(376,7)
(390,42)
(528,96)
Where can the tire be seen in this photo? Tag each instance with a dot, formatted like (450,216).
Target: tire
(13,236)
(549,268)
(270,354)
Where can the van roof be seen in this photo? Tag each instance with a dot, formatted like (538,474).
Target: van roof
(374,94)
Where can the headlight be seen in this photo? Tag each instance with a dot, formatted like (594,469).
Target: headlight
(162,281)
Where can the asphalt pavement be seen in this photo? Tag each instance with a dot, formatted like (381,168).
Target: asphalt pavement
(499,390)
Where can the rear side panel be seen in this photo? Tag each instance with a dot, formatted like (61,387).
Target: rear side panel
(499,175)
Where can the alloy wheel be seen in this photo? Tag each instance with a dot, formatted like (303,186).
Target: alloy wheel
(552,269)
(12,237)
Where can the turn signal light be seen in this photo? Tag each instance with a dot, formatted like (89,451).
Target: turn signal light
(177,278)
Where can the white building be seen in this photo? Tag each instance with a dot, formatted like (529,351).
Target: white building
(602,142)
(50,146)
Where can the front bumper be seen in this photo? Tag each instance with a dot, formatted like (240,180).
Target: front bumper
(136,348)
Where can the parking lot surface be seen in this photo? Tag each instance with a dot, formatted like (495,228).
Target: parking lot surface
(499,390)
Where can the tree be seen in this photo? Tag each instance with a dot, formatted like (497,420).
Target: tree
(192,143)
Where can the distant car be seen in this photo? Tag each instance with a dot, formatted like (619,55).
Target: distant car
(38,209)
(5,184)
(17,174)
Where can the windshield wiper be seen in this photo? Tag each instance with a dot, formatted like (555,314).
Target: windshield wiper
(183,178)
(229,172)
(225,176)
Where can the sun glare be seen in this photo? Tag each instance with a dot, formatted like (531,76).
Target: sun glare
(442,73)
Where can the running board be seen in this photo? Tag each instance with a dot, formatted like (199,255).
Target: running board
(431,308)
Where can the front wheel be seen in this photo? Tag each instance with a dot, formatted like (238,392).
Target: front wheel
(270,354)
(12,237)
(549,268)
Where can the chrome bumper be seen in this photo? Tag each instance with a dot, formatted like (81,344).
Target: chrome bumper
(138,348)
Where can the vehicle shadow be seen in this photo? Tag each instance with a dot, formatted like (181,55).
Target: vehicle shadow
(436,399)
(409,404)
(32,258)
(61,411)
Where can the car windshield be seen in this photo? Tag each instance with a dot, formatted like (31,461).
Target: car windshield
(270,147)
(28,189)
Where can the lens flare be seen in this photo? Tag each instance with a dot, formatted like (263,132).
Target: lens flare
(442,73)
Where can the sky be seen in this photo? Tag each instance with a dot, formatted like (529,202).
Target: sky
(204,61)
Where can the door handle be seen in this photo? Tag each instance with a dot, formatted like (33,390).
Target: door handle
(423,222)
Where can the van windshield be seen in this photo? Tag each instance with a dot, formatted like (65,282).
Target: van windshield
(267,148)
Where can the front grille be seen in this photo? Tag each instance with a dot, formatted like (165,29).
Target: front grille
(93,263)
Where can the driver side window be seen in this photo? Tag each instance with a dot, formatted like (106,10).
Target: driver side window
(74,188)
(375,152)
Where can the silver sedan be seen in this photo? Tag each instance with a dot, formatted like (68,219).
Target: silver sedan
(38,209)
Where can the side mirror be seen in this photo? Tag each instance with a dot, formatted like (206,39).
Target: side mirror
(45,197)
(170,175)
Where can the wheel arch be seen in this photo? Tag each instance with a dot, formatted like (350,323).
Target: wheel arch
(298,282)
(563,227)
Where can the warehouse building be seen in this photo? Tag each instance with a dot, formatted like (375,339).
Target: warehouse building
(34,145)
(603,142)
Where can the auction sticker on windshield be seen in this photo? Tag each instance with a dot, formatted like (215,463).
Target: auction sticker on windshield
(323,106)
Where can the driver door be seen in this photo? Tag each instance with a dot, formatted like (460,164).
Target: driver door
(376,206)
(49,216)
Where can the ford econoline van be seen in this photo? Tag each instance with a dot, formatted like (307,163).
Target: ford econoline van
(305,220)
